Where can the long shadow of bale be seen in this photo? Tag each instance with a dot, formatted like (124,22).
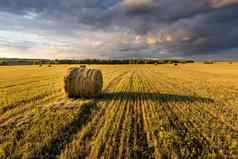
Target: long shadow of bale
(65,135)
(162,97)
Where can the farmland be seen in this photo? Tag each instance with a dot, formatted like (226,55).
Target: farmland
(145,111)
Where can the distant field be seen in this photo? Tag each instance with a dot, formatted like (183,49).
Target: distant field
(146,111)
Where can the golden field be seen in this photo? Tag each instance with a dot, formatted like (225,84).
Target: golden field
(145,111)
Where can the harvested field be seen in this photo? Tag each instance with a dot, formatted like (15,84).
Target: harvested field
(145,111)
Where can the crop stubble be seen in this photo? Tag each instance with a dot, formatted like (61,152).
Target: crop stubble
(144,112)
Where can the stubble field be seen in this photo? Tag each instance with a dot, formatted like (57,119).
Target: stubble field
(145,111)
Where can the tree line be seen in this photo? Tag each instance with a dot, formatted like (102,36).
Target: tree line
(91,61)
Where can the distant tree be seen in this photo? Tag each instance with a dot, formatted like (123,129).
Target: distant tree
(208,62)
(56,61)
(3,62)
(132,62)
(114,61)
(51,62)
(36,62)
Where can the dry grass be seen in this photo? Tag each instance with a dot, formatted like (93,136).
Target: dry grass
(146,111)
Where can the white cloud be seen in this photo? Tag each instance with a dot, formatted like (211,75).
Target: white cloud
(221,3)
(138,3)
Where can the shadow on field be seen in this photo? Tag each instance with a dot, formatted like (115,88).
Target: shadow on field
(52,149)
(157,97)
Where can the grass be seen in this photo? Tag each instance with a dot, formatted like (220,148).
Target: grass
(145,111)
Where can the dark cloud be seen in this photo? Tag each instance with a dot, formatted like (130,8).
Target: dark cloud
(209,32)
(182,27)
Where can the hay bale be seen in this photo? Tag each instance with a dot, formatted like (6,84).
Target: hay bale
(82,82)
(208,62)
(82,66)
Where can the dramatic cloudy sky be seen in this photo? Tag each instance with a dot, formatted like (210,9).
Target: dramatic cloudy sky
(119,28)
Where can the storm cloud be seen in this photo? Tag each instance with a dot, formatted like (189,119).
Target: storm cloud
(119,28)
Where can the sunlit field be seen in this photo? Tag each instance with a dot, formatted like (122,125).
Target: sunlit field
(145,111)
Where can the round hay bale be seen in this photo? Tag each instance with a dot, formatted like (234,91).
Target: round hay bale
(82,66)
(82,82)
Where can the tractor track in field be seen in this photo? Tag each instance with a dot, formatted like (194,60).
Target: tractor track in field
(115,80)
(139,140)
(128,139)
(112,120)
(116,105)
